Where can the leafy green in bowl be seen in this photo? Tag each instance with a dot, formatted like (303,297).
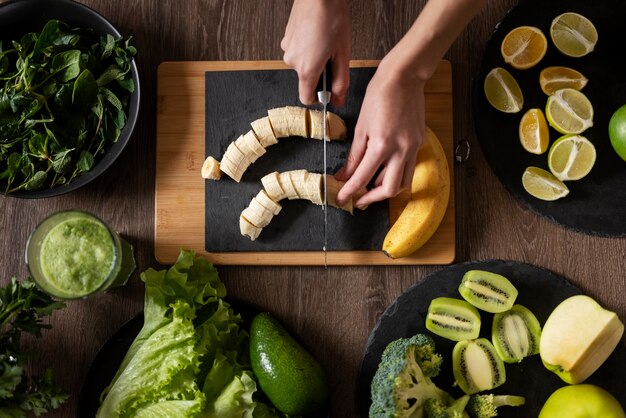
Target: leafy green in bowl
(68,97)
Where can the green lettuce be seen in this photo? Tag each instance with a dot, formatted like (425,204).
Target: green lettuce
(190,358)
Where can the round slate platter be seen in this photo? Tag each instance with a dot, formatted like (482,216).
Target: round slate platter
(110,356)
(597,203)
(539,290)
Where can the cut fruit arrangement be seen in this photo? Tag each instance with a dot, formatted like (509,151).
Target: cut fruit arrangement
(568,111)
(577,338)
(430,187)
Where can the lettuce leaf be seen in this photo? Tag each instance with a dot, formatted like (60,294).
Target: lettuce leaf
(190,358)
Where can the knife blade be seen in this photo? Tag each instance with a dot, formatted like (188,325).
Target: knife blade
(323,96)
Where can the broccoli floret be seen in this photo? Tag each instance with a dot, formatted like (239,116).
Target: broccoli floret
(402,382)
(486,406)
(437,408)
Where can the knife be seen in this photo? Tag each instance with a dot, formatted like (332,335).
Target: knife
(323,96)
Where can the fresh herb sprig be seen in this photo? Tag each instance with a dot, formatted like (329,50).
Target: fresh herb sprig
(64,96)
(22,307)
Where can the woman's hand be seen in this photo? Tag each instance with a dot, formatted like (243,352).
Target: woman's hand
(388,133)
(318,31)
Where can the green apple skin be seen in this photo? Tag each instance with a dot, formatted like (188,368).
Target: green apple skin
(582,401)
(559,371)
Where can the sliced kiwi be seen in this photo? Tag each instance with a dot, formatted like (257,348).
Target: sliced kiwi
(488,291)
(477,366)
(454,319)
(515,334)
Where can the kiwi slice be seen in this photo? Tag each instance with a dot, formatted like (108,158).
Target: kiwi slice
(454,319)
(488,291)
(477,366)
(515,334)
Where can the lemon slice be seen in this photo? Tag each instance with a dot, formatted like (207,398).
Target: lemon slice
(569,111)
(502,91)
(524,47)
(552,79)
(533,132)
(573,34)
(543,185)
(571,157)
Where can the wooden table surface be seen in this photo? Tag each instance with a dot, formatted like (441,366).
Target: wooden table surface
(334,310)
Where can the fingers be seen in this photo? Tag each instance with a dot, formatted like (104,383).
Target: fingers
(341,79)
(362,175)
(357,151)
(307,82)
(391,184)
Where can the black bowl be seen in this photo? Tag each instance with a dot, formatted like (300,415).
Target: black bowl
(19,17)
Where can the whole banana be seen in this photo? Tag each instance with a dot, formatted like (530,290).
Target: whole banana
(430,191)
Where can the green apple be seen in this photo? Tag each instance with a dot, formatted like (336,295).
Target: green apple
(582,401)
(578,337)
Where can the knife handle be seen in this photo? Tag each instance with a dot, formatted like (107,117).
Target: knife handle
(329,78)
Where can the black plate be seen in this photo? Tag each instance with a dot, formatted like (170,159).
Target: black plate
(111,354)
(19,17)
(539,290)
(597,203)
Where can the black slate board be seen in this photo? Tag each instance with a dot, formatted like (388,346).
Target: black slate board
(539,290)
(233,100)
(597,203)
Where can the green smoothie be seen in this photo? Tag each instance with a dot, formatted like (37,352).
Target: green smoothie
(73,254)
(77,256)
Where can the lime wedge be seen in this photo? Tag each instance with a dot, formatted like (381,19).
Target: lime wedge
(502,91)
(533,132)
(573,34)
(569,111)
(543,185)
(571,157)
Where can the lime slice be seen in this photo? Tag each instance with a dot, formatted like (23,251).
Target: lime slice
(524,47)
(569,111)
(555,78)
(543,185)
(571,157)
(502,91)
(533,132)
(573,34)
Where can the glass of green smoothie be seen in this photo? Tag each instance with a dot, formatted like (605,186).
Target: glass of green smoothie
(73,254)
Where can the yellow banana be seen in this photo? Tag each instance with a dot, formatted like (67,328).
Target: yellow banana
(211,169)
(430,191)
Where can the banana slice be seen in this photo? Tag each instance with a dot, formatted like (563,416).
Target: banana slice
(298,179)
(313,188)
(211,169)
(332,187)
(335,127)
(264,132)
(247,229)
(251,146)
(287,185)
(257,214)
(289,121)
(268,203)
(272,186)
(238,162)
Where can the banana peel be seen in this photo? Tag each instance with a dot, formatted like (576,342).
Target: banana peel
(430,192)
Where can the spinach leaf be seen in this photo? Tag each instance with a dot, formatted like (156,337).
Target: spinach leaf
(64,95)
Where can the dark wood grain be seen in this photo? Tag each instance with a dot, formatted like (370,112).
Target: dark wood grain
(332,310)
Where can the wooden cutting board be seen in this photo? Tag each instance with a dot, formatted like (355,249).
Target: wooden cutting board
(179,189)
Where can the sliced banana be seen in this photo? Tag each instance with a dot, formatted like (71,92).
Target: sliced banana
(281,122)
(247,229)
(252,145)
(264,132)
(287,185)
(295,184)
(257,214)
(268,203)
(335,126)
(332,187)
(211,169)
(289,121)
(272,186)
